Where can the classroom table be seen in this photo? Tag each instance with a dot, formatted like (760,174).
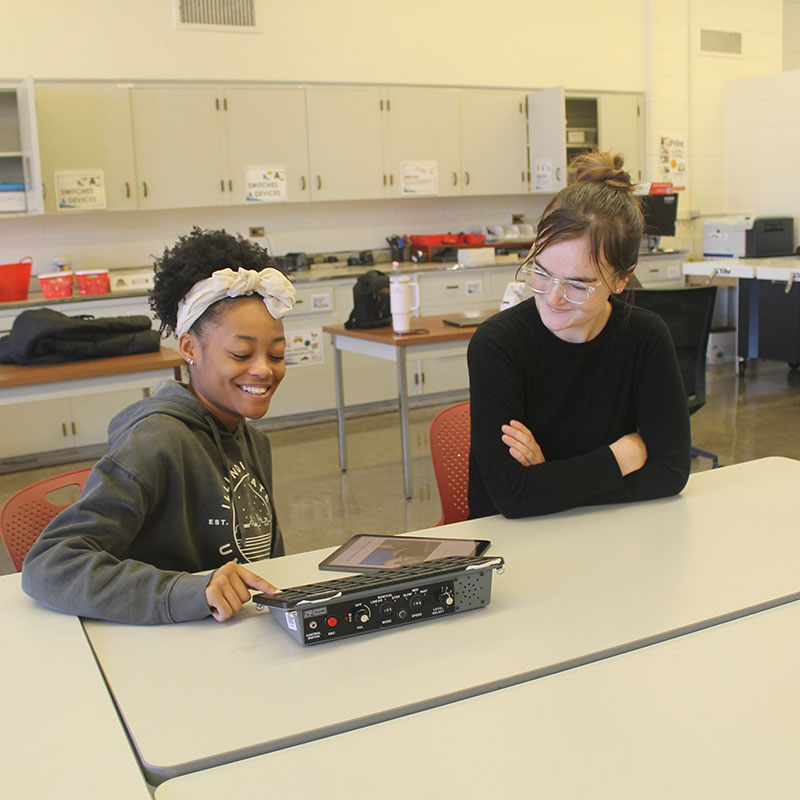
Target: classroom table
(431,338)
(749,274)
(712,714)
(60,734)
(578,587)
(27,384)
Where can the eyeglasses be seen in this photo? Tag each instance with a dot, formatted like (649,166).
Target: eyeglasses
(541,282)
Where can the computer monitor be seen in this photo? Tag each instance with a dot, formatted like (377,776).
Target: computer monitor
(660,211)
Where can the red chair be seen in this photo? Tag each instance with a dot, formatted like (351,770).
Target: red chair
(26,513)
(450,437)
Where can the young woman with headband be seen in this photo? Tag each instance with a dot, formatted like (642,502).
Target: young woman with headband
(187,484)
(576,397)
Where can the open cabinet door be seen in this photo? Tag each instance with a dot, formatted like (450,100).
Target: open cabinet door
(547,137)
(29,139)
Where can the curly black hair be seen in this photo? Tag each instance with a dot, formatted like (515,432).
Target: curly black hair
(193,258)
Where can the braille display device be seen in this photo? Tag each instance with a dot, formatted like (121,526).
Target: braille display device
(375,601)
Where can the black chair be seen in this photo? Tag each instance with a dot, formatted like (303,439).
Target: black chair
(687,313)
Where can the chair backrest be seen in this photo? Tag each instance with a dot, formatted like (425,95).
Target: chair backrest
(687,313)
(450,438)
(27,512)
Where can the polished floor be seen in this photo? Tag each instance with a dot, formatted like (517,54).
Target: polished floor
(318,506)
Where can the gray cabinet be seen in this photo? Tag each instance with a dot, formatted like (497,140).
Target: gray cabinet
(494,142)
(345,142)
(178,141)
(266,127)
(20,170)
(86,126)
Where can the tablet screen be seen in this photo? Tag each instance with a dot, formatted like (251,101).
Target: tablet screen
(369,552)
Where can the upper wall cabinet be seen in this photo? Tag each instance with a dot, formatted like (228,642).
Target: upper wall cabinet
(20,172)
(345,143)
(422,136)
(494,142)
(547,127)
(86,128)
(266,128)
(619,129)
(178,140)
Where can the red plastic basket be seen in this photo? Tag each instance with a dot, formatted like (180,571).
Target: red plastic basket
(93,281)
(56,284)
(15,280)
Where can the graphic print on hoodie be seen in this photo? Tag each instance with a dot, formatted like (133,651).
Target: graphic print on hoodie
(251,512)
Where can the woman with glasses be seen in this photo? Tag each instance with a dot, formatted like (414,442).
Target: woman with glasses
(576,397)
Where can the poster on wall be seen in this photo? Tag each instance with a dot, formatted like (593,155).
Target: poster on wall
(673,161)
(543,175)
(80,190)
(419,177)
(265,184)
(303,347)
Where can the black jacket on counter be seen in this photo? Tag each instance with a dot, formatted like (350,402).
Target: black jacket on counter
(44,336)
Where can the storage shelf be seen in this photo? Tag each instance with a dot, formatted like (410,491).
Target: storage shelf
(11,154)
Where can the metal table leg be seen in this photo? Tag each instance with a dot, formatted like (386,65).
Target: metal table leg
(402,391)
(337,361)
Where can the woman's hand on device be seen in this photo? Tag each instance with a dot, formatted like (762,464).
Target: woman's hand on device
(630,452)
(521,444)
(229,589)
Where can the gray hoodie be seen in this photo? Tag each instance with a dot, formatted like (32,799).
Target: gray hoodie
(176,494)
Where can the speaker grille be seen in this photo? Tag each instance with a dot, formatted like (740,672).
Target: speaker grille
(728,42)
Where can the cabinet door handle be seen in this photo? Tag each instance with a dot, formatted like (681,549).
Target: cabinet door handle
(144,184)
(455,178)
(216,100)
(44,192)
(127,189)
(558,173)
(384,179)
(467,176)
(391,179)
(74,429)
(302,183)
(523,176)
(221,185)
(63,428)
(230,185)
(319,182)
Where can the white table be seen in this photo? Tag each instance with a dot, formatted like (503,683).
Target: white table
(709,715)
(432,338)
(29,384)
(60,736)
(751,271)
(578,587)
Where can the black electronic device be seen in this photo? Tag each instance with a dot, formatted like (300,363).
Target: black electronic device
(376,601)
(367,552)
(660,212)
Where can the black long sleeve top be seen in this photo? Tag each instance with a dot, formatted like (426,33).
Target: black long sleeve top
(577,399)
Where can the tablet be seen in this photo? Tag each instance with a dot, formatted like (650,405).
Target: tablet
(367,552)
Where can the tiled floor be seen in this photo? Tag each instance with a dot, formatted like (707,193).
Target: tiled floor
(318,505)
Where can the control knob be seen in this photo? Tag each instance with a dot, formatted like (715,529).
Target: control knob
(446,598)
(361,615)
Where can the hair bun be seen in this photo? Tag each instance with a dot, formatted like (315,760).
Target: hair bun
(605,168)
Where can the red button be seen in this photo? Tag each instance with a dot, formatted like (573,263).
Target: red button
(332,622)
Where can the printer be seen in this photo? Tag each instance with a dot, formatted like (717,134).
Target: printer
(748,237)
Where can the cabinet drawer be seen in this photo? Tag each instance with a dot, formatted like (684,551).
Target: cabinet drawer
(314,300)
(436,290)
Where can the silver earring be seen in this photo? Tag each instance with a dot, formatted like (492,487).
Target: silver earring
(190,362)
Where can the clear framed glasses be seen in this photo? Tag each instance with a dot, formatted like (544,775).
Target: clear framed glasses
(541,282)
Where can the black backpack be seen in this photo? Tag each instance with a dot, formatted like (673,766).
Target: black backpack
(370,301)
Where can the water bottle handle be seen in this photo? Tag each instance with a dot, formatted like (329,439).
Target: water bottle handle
(415,306)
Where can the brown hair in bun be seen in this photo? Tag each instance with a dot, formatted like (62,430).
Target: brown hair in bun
(600,204)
